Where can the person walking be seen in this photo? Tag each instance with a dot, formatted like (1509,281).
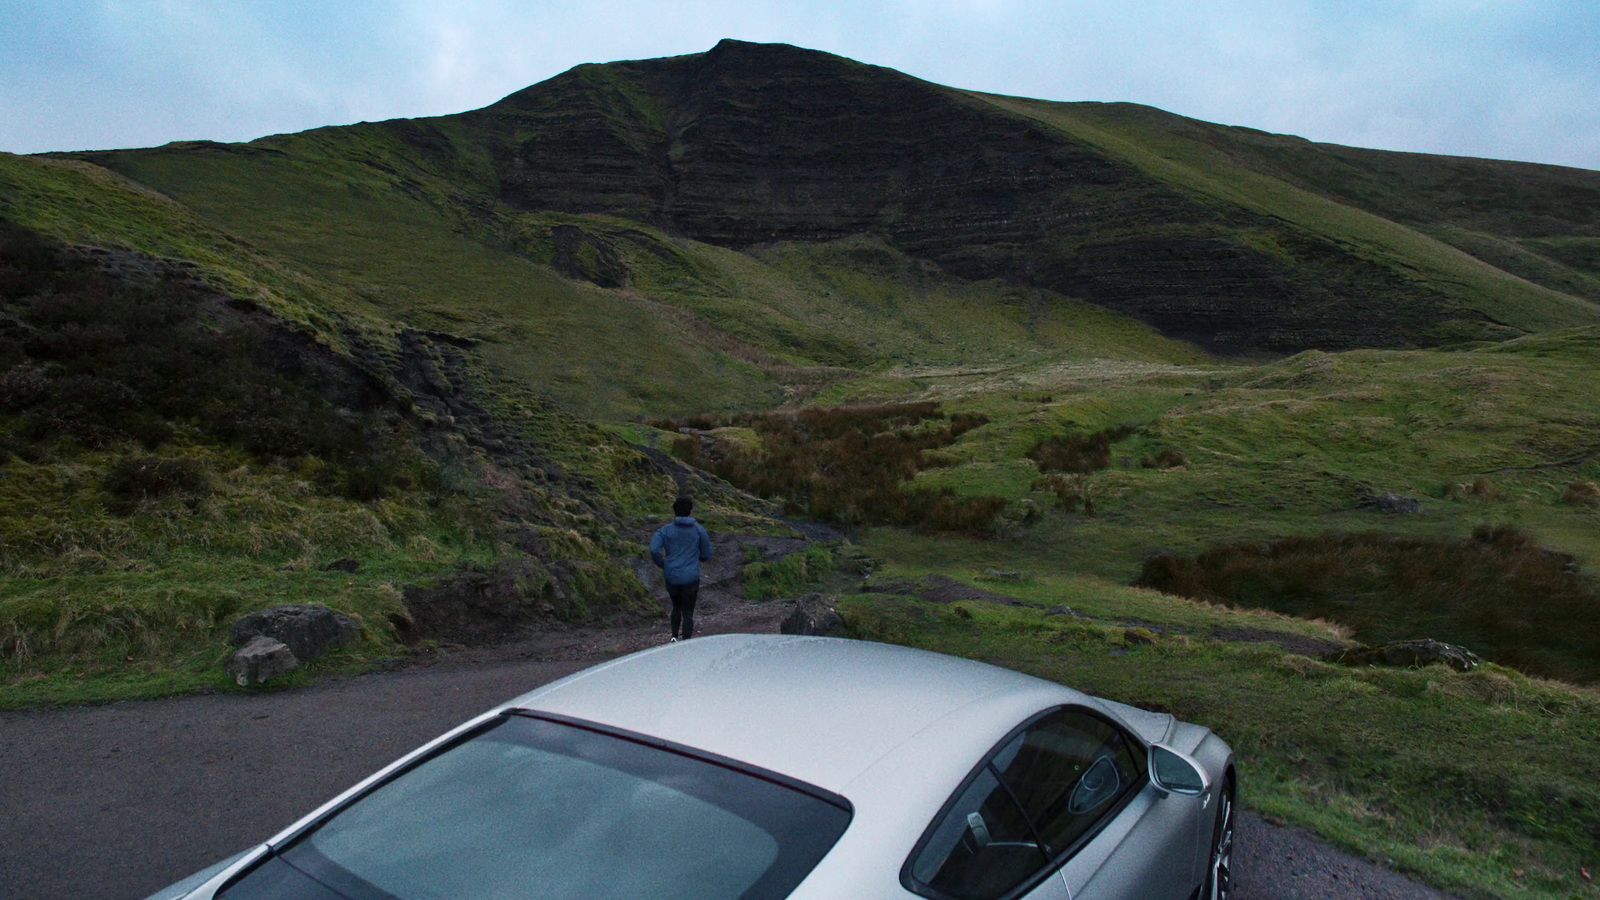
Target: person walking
(678,548)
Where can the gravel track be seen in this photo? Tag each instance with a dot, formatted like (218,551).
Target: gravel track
(114,802)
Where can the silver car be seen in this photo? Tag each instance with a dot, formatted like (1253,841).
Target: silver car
(762,767)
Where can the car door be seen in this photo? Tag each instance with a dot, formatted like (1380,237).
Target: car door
(1084,784)
(1043,797)
(983,848)
(1147,851)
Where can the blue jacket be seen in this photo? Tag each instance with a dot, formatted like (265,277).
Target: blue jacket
(678,549)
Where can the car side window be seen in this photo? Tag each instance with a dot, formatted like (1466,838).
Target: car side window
(1028,803)
(1067,770)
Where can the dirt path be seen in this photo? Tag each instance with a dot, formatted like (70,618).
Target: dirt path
(114,802)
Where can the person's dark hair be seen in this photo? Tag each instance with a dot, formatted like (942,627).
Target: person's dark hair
(682,506)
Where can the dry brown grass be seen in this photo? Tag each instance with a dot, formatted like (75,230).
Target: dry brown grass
(1581,493)
(843,464)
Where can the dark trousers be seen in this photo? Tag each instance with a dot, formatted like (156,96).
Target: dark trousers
(683,597)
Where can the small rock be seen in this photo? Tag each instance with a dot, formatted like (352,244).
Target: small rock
(813,614)
(342,565)
(1394,503)
(307,629)
(1408,654)
(1064,611)
(260,661)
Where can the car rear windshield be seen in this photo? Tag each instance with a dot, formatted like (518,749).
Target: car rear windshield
(537,808)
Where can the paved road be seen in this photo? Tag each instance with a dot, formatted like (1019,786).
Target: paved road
(117,801)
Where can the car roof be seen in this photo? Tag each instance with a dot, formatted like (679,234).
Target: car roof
(822,710)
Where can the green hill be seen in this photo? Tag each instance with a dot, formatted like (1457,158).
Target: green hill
(1231,239)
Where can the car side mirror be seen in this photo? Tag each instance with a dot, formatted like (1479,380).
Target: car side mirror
(1174,773)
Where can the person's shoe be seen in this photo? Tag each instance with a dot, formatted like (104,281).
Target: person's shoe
(673,639)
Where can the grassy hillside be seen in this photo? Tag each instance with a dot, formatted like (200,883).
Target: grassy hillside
(1481,783)
(637,178)
(191,430)
(1373,222)
(677,320)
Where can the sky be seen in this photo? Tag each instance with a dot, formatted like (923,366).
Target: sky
(1508,79)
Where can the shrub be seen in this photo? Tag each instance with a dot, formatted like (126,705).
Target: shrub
(142,478)
(1168,458)
(1581,493)
(1078,453)
(22,386)
(1072,491)
(1496,592)
(845,464)
(101,360)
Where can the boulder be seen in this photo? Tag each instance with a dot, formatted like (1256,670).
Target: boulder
(307,629)
(261,660)
(1394,503)
(813,614)
(1408,654)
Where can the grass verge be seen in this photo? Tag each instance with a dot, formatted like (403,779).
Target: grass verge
(1462,779)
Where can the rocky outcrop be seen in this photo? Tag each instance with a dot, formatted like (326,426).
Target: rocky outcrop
(306,629)
(261,660)
(1396,504)
(813,614)
(1409,654)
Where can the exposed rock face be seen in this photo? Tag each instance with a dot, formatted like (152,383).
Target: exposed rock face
(756,143)
(308,630)
(813,614)
(261,660)
(1409,654)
